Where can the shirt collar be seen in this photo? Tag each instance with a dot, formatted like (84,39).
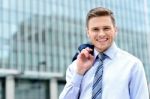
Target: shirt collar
(110,52)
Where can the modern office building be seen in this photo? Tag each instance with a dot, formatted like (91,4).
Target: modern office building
(38,39)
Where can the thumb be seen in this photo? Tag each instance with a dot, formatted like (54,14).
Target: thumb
(91,56)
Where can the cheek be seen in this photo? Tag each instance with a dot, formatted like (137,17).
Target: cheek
(94,38)
(111,35)
(91,36)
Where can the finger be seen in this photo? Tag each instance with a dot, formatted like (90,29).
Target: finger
(91,57)
(85,52)
(89,49)
(81,56)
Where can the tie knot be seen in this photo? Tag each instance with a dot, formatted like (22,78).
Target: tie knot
(102,56)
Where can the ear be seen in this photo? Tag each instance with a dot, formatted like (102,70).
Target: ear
(116,30)
(87,32)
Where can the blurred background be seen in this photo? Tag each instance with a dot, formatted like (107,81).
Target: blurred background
(38,39)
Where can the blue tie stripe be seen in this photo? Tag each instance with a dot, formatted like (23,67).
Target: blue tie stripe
(98,77)
(99,68)
(98,94)
(97,83)
(98,80)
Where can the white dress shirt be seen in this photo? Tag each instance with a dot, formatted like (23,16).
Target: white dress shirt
(123,78)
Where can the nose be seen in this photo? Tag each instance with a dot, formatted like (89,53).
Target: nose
(101,32)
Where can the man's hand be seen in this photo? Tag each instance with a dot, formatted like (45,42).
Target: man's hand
(84,61)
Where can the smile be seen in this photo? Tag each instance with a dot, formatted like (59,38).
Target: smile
(102,40)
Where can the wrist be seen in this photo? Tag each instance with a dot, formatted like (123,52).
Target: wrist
(80,72)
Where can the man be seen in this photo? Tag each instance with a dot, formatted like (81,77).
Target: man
(108,73)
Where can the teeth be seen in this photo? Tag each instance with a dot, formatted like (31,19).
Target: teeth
(101,40)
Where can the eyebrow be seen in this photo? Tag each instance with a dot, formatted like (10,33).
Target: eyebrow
(102,26)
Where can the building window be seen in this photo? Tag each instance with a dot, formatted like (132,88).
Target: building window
(31,89)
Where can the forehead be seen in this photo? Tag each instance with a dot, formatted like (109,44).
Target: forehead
(100,21)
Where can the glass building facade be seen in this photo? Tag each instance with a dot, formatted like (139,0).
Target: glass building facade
(38,39)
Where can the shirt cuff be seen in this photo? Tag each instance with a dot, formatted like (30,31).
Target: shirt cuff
(77,80)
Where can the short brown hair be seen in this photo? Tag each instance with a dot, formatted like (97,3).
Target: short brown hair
(99,11)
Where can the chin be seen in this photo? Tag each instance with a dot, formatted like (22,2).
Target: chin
(102,48)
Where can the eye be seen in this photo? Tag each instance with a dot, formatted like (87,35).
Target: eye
(106,28)
(95,29)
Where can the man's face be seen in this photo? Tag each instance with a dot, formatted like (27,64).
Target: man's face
(101,32)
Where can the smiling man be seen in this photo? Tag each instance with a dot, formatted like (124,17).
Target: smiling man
(108,73)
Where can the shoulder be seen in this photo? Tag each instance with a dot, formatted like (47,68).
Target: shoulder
(129,59)
(132,62)
(128,56)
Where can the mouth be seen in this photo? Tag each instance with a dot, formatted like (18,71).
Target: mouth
(102,40)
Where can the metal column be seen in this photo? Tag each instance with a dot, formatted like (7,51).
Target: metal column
(53,89)
(10,87)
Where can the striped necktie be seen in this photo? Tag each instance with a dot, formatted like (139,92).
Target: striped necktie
(97,82)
